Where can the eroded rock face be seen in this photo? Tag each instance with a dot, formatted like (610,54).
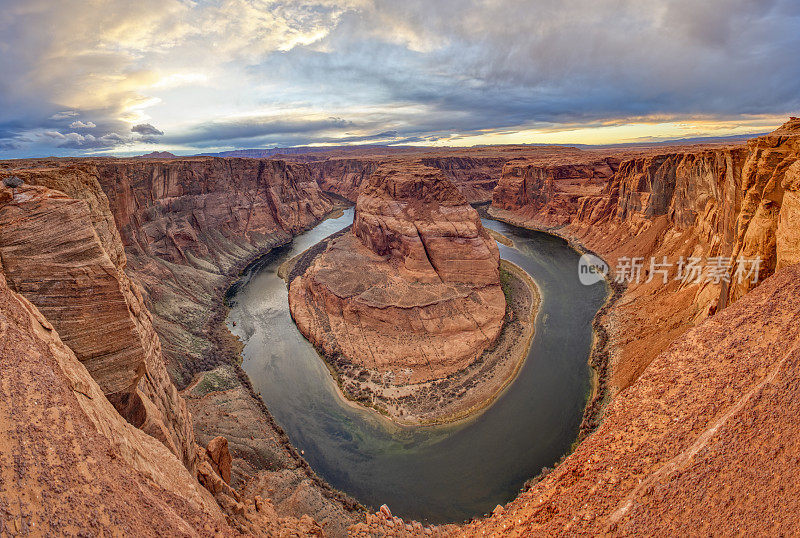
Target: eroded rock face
(71,245)
(733,202)
(189,225)
(475,177)
(551,189)
(62,254)
(53,256)
(413,292)
(767,224)
(71,463)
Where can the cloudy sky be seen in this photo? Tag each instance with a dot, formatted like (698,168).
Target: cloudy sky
(121,77)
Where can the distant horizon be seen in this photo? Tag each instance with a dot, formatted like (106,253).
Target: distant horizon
(126,78)
(297,150)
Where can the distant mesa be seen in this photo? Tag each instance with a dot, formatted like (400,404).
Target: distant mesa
(157,155)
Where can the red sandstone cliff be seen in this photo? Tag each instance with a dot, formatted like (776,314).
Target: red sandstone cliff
(474,176)
(413,293)
(727,202)
(189,225)
(73,466)
(551,189)
(62,250)
(61,253)
(70,463)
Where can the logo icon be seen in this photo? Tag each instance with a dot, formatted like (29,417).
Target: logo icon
(591,269)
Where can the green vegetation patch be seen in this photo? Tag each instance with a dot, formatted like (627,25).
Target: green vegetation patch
(506,277)
(219,379)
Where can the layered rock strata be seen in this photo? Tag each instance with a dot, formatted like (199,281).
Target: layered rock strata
(189,226)
(412,293)
(61,253)
(70,463)
(729,202)
(62,249)
(264,462)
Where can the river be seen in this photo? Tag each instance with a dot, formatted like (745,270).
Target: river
(432,474)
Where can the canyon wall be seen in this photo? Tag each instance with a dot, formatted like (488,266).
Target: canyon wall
(551,190)
(475,177)
(70,463)
(189,225)
(728,202)
(63,254)
(344,177)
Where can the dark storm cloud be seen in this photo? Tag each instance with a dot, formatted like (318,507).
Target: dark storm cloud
(504,63)
(257,128)
(146,129)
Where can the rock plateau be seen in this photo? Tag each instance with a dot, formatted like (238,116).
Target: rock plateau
(412,293)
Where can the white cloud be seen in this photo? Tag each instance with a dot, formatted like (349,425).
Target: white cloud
(64,115)
(81,125)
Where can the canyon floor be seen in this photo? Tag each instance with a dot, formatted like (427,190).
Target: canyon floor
(693,428)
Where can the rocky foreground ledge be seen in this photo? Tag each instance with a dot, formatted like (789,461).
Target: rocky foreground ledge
(411,296)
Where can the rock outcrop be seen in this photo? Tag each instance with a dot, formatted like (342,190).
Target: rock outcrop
(263,461)
(551,190)
(70,463)
(64,255)
(412,293)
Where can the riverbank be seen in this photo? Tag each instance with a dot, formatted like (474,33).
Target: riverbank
(224,402)
(500,238)
(602,353)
